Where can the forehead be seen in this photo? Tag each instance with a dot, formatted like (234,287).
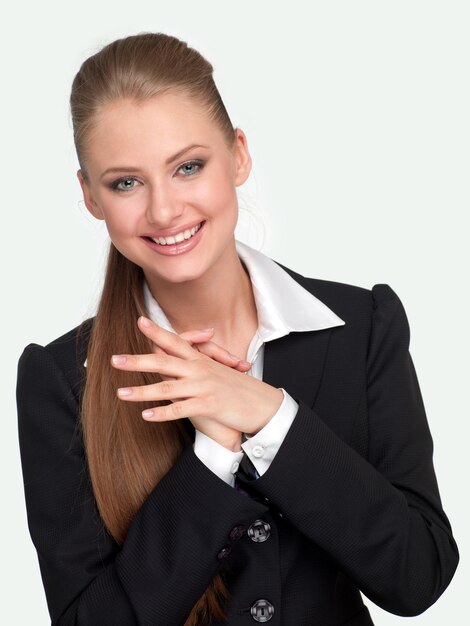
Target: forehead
(161,125)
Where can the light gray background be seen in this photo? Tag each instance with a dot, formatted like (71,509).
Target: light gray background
(357,117)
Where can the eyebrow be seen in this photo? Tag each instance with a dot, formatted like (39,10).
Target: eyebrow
(178,154)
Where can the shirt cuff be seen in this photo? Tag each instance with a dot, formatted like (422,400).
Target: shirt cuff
(262,447)
(217,458)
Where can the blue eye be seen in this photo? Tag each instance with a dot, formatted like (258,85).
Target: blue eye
(115,184)
(190,168)
(196,163)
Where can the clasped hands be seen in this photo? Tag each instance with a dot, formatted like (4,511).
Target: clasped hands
(203,384)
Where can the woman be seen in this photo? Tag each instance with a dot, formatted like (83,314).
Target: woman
(163,484)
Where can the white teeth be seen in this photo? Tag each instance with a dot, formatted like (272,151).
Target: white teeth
(187,234)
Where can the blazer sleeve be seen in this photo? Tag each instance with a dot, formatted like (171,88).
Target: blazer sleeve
(176,542)
(381,518)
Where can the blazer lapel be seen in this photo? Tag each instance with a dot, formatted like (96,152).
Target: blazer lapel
(296,361)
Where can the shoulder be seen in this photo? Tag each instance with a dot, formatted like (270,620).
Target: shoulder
(345,299)
(65,354)
(73,343)
(375,318)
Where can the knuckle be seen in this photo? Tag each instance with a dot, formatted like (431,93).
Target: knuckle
(200,348)
(209,350)
(163,359)
(166,387)
(179,340)
(173,411)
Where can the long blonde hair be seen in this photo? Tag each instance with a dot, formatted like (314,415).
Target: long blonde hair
(118,442)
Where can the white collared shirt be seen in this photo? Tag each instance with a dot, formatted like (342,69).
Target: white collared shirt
(283,306)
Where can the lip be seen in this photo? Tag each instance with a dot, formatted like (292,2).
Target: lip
(177,248)
(169,232)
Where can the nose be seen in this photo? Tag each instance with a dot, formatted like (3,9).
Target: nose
(163,206)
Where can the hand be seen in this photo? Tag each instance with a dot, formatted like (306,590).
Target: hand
(219,401)
(210,348)
(232,438)
(202,338)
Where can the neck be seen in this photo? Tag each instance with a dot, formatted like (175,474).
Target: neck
(222,298)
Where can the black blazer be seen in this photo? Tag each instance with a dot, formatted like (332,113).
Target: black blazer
(349,504)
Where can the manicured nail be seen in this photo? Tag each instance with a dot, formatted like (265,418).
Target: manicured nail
(233,356)
(144,321)
(124,391)
(119,359)
(207,330)
(147,413)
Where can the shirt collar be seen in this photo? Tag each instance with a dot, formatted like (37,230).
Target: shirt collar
(283,305)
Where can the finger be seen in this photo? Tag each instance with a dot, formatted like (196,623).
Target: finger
(178,410)
(199,341)
(212,349)
(243,366)
(157,350)
(162,363)
(218,353)
(171,342)
(197,336)
(172,390)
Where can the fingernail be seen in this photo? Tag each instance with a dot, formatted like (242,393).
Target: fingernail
(207,330)
(119,359)
(233,356)
(144,321)
(147,413)
(124,391)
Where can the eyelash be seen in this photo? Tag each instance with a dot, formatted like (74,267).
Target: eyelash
(198,162)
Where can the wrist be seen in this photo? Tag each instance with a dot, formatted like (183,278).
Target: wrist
(232,443)
(278,398)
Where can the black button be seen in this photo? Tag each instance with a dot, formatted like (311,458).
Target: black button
(259,530)
(224,552)
(237,532)
(262,611)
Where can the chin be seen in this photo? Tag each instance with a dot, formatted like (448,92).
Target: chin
(173,275)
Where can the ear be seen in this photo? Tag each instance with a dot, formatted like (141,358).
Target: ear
(88,197)
(242,158)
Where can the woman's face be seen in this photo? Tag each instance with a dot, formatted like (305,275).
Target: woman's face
(161,184)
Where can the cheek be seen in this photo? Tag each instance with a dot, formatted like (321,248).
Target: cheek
(120,213)
(217,193)
(120,220)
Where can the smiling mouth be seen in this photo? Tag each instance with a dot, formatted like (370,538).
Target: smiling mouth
(179,238)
